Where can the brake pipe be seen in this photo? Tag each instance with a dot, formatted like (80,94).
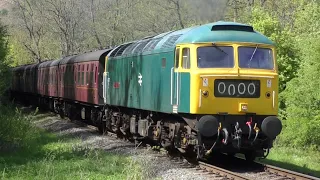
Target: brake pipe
(226,135)
(249,125)
(214,144)
(257,133)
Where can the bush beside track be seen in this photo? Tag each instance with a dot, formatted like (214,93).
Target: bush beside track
(28,152)
(15,129)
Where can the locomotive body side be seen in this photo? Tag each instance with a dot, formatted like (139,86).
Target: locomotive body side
(141,77)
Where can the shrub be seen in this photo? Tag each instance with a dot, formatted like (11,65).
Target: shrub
(15,128)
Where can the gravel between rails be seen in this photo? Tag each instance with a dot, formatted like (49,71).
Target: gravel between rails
(154,165)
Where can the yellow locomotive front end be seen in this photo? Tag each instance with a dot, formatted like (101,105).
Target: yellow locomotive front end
(234,93)
(235,79)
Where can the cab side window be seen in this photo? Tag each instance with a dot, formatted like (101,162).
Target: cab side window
(177,57)
(186,58)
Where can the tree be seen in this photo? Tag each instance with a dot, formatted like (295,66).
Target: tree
(4,68)
(67,19)
(287,53)
(301,97)
(30,15)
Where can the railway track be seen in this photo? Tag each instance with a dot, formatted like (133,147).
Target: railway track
(216,172)
(287,174)
(270,172)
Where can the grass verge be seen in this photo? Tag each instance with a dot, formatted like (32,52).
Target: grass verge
(43,155)
(300,160)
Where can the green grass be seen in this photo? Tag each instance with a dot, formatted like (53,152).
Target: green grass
(43,155)
(306,161)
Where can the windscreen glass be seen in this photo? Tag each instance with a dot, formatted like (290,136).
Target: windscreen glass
(215,57)
(255,58)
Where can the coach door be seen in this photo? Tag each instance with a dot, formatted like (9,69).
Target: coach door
(175,81)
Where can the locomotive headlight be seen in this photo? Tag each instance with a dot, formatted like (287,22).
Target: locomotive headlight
(205,93)
(268,95)
(243,107)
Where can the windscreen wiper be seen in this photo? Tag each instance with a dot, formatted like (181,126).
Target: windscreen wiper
(217,47)
(254,52)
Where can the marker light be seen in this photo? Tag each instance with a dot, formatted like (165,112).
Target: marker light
(243,107)
(205,93)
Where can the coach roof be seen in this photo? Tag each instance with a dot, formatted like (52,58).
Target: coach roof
(68,59)
(55,62)
(45,64)
(91,56)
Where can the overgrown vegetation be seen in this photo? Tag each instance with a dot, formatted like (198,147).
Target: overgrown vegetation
(300,160)
(42,155)
(4,68)
(15,129)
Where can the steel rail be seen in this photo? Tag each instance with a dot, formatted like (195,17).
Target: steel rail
(221,172)
(287,173)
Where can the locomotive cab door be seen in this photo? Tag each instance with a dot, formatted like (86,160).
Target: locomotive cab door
(105,81)
(175,81)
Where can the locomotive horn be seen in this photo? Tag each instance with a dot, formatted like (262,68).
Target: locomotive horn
(271,126)
(208,125)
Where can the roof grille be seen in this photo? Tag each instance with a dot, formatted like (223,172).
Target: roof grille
(152,44)
(140,47)
(232,28)
(121,50)
(130,48)
(171,41)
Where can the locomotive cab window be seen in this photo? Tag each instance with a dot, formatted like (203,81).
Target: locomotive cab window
(255,58)
(186,58)
(177,57)
(215,57)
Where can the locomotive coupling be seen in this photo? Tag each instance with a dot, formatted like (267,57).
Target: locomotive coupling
(271,126)
(208,125)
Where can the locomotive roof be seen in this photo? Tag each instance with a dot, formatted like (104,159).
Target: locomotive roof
(224,32)
(220,31)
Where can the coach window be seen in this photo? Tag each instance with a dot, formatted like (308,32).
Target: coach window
(96,75)
(87,76)
(177,57)
(91,75)
(79,75)
(74,75)
(186,58)
(82,78)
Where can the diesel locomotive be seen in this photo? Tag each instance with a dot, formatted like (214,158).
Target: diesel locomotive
(200,90)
